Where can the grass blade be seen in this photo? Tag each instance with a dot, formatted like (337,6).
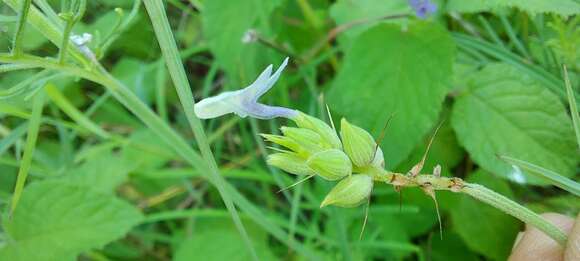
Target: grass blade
(573,106)
(554,178)
(541,75)
(33,127)
(175,67)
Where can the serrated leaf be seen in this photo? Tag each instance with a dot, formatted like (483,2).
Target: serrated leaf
(485,229)
(102,173)
(56,220)
(505,113)
(560,7)
(390,70)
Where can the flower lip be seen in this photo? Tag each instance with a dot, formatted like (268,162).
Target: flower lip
(244,102)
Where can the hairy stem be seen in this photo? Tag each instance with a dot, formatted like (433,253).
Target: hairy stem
(516,210)
(478,192)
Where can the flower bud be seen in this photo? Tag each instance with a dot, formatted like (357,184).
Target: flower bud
(290,163)
(308,140)
(286,142)
(350,192)
(358,144)
(329,138)
(330,164)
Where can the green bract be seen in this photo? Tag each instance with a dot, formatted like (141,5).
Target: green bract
(290,162)
(358,144)
(350,192)
(330,164)
(327,134)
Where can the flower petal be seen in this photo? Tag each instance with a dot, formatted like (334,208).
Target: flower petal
(244,102)
(255,91)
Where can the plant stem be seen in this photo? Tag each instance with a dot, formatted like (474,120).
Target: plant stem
(481,193)
(177,72)
(516,210)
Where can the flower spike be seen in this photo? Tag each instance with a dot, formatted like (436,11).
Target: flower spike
(244,102)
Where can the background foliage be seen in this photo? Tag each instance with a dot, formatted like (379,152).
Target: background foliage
(104,186)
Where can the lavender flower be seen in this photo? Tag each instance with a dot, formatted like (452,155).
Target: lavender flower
(244,102)
(423,8)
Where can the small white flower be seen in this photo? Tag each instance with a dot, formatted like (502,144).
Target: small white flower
(244,102)
(81,42)
(250,36)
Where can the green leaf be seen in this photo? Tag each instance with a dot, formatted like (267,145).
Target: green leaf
(103,173)
(445,150)
(146,151)
(346,11)
(560,7)
(225,23)
(138,76)
(56,220)
(390,70)
(450,248)
(217,239)
(485,229)
(503,112)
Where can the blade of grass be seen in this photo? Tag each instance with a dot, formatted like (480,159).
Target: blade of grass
(554,178)
(490,31)
(573,105)
(170,52)
(541,75)
(33,127)
(18,34)
(513,37)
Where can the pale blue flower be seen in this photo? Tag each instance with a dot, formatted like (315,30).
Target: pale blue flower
(423,8)
(244,102)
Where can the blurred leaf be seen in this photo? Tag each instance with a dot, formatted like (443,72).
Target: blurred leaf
(31,41)
(146,151)
(217,239)
(444,151)
(348,11)
(111,113)
(485,229)
(225,23)
(390,70)
(505,113)
(102,173)
(451,248)
(138,76)
(560,7)
(59,220)
(304,35)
